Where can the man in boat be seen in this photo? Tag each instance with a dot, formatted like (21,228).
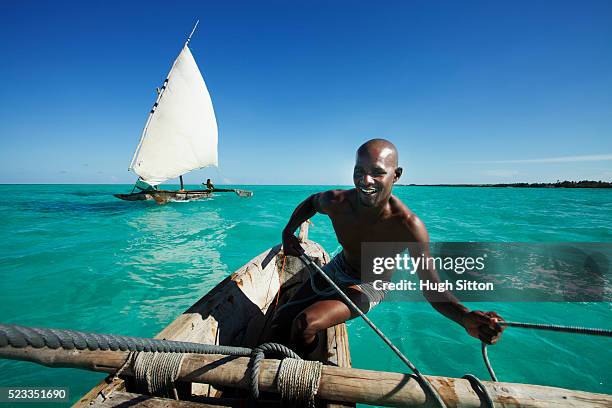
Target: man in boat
(366,213)
(209,184)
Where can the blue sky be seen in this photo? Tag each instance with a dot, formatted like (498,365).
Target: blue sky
(468,91)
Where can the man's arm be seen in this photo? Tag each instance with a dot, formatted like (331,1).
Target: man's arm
(316,203)
(478,324)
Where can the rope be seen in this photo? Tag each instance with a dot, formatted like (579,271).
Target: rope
(543,326)
(559,328)
(21,336)
(298,381)
(485,357)
(257,356)
(480,390)
(425,383)
(158,372)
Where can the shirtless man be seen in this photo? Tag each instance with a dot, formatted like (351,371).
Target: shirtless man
(209,185)
(366,213)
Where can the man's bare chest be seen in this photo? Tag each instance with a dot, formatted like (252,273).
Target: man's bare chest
(352,231)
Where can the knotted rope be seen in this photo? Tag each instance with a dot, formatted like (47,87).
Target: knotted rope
(298,381)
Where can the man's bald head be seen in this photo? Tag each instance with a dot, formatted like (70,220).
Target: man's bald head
(380,148)
(375,172)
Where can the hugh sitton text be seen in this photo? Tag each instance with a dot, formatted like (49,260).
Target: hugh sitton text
(459,285)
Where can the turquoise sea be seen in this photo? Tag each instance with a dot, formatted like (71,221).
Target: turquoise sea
(73,256)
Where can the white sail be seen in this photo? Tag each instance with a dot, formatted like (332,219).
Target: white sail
(181,132)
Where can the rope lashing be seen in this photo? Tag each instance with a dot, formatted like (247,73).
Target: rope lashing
(424,382)
(158,372)
(298,381)
(22,336)
(257,356)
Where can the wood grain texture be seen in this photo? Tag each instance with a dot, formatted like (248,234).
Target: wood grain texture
(339,384)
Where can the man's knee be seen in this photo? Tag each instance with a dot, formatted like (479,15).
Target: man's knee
(306,325)
(360,300)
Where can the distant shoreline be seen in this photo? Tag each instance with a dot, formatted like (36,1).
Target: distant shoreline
(559,184)
(563,184)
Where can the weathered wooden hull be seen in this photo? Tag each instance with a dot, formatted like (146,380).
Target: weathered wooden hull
(237,312)
(164,196)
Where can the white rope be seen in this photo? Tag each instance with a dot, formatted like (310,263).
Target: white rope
(158,372)
(298,381)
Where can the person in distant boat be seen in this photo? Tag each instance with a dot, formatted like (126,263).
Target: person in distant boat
(366,213)
(209,184)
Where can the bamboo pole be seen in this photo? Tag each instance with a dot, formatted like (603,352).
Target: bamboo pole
(337,383)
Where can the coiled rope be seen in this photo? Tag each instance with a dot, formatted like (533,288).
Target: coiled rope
(298,381)
(158,371)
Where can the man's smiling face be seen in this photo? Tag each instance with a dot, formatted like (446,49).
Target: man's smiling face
(375,172)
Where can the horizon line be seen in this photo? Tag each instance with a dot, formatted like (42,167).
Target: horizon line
(322,184)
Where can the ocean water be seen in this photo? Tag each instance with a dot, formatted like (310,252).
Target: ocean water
(73,256)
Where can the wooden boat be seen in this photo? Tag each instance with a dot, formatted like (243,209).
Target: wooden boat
(179,136)
(237,312)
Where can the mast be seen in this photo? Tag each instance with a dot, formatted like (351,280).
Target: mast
(192,31)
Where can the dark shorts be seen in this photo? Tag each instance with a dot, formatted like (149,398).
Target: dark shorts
(316,288)
(337,269)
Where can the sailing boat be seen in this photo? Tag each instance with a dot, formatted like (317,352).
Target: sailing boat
(180,135)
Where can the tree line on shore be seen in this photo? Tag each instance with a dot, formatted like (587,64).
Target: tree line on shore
(557,184)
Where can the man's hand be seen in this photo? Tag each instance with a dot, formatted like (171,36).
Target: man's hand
(291,245)
(483,325)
